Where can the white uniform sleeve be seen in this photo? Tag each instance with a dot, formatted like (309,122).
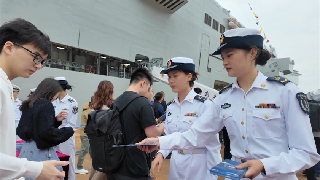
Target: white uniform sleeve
(72,115)
(207,125)
(303,152)
(13,168)
(165,153)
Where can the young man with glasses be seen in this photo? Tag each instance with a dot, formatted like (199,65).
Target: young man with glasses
(23,50)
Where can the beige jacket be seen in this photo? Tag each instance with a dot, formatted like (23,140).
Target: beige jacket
(84,117)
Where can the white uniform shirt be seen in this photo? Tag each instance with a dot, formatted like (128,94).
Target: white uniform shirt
(280,137)
(179,118)
(69,105)
(16,107)
(10,166)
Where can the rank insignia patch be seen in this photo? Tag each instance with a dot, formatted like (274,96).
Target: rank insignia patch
(303,102)
(200,98)
(279,79)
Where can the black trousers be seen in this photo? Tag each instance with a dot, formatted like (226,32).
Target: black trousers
(310,173)
(226,142)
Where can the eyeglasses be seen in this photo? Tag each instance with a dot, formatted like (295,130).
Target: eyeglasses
(37,59)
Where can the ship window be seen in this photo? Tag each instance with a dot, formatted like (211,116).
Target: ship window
(215,24)
(80,60)
(222,29)
(207,19)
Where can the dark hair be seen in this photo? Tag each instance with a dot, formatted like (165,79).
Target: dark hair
(262,56)
(47,89)
(197,90)
(66,87)
(23,32)
(158,96)
(103,95)
(162,93)
(90,102)
(193,78)
(139,74)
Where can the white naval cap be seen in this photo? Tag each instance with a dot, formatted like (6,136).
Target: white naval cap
(32,91)
(61,80)
(179,63)
(15,88)
(239,38)
(240,32)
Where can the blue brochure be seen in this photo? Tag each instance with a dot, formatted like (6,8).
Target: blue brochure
(227,169)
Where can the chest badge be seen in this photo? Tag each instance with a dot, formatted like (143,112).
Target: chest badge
(266,105)
(225,105)
(191,114)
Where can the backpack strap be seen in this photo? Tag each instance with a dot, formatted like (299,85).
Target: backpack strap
(121,108)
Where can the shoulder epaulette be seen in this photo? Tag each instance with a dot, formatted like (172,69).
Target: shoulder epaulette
(172,101)
(71,100)
(279,79)
(225,88)
(200,98)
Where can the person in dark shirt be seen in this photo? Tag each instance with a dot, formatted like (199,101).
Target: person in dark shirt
(138,123)
(157,107)
(163,102)
(38,126)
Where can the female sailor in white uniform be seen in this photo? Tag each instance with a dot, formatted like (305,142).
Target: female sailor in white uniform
(66,103)
(181,113)
(17,103)
(266,117)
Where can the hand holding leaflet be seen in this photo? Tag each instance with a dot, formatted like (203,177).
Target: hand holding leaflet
(227,169)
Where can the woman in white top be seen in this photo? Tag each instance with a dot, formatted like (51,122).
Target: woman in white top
(181,113)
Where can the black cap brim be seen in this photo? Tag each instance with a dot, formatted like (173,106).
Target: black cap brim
(245,41)
(62,82)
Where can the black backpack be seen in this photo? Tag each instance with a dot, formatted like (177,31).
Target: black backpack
(314,115)
(104,129)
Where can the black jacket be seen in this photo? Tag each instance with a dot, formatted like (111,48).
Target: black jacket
(164,105)
(39,123)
